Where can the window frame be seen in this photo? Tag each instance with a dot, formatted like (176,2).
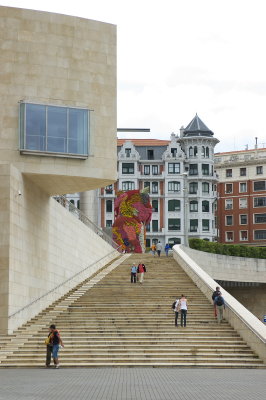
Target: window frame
(132,183)
(178,224)
(261,170)
(246,187)
(24,149)
(108,202)
(193,185)
(128,168)
(226,188)
(175,208)
(195,205)
(260,197)
(259,190)
(255,215)
(148,168)
(240,221)
(226,220)
(173,168)
(173,183)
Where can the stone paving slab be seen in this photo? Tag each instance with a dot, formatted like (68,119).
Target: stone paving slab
(132,383)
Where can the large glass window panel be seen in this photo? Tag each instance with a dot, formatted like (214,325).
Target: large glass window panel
(77,136)
(57,129)
(54,129)
(35,125)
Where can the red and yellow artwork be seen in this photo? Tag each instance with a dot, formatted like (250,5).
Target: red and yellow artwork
(133,212)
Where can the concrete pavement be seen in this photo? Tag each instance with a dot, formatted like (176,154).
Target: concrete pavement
(132,383)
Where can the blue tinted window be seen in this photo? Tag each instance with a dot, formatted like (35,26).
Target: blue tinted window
(54,129)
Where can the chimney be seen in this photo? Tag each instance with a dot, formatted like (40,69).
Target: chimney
(256,142)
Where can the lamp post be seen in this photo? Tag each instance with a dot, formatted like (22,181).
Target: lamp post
(185,192)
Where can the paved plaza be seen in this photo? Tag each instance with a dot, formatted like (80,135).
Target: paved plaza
(132,383)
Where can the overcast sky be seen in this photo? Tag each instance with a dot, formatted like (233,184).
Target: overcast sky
(179,57)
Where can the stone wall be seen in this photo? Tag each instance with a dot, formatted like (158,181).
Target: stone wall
(230,268)
(47,246)
(252,330)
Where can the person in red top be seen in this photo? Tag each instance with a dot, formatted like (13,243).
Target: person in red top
(56,341)
(141,271)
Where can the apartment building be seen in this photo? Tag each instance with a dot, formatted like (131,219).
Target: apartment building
(241,201)
(181,179)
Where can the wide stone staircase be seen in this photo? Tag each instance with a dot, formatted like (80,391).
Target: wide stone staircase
(117,323)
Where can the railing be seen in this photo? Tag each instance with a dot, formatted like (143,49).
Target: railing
(83,218)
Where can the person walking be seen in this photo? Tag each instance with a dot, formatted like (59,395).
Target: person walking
(215,294)
(176,310)
(166,249)
(49,349)
(56,341)
(141,272)
(220,306)
(183,306)
(134,273)
(153,249)
(159,248)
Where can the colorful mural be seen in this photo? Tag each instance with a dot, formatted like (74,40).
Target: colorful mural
(133,212)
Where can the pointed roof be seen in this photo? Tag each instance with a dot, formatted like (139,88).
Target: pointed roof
(197,128)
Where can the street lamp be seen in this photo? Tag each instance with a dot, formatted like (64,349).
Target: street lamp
(185,192)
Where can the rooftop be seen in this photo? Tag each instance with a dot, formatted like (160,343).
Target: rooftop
(144,142)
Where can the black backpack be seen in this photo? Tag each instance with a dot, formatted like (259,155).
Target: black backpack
(173,305)
(219,301)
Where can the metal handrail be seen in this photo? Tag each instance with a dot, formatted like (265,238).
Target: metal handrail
(61,284)
(83,218)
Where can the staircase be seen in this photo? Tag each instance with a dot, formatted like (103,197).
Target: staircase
(116,323)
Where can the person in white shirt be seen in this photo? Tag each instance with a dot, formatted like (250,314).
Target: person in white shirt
(159,248)
(183,308)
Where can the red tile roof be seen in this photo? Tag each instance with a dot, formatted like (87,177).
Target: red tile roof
(144,142)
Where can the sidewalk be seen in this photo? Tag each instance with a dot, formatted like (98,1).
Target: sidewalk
(132,383)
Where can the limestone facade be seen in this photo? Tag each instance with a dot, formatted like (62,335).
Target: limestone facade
(58,63)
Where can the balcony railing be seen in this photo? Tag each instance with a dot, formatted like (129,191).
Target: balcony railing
(83,218)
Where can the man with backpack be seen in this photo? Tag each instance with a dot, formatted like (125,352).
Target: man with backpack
(220,306)
(175,307)
(215,294)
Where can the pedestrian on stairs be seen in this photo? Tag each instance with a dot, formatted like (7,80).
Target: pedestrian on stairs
(134,273)
(141,272)
(56,341)
(220,306)
(49,349)
(153,249)
(176,310)
(167,248)
(215,294)
(159,248)
(183,308)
